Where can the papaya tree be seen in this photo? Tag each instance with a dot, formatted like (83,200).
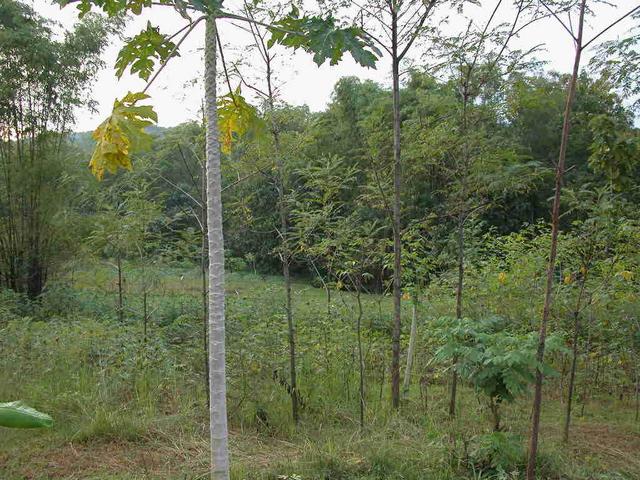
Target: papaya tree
(123,133)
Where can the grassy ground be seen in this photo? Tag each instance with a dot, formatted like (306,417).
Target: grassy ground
(133,407)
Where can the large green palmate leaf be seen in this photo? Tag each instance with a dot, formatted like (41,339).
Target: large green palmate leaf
(19,415)
(117,7)
(142,51)
(324,39)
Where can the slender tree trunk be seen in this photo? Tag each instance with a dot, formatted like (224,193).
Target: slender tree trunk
(383,370)
(637,395)
(555,227)
(120,290)
(292,339)
(574,358)
(494,406)
(360,356)
(563,374)
(217,374)
(397,234)
(459,286)
(285,253)
(412,347)
(145,314)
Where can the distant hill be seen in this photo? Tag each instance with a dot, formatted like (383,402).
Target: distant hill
(85,141)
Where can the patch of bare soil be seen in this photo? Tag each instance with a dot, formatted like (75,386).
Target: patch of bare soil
(617,449)
(80,461)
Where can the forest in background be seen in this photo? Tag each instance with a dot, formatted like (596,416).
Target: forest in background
(356,371)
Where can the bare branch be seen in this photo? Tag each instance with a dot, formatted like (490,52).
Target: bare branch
(555,15)
(173,52)
(418,27)
(602,32)
(177,187)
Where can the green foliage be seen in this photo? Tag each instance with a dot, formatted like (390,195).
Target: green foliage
(497,455)
(323,38)
(124,400)
(206,6)
(19,415)
(140,52)
(44,77)
(111,7)
(121,134)
(614,151)
(496,362)
(617,61)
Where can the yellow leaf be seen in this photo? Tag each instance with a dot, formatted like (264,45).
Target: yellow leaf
(626,274)
(236,117)
(568,279)
(502,278)
(121,134)
(406,296)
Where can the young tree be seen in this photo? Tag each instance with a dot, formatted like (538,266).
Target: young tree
(496,362)
(595,238)
(402,39)
(581,45)
(419,263)
(187,143)
(394,26)
(479,164)
(358,252)
(268,94)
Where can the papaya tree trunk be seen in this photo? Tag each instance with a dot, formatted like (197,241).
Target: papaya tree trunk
(217,374)
(204,259)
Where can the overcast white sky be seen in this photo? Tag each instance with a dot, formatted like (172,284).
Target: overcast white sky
(176,99)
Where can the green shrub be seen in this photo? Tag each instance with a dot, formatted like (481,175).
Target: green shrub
(497,455)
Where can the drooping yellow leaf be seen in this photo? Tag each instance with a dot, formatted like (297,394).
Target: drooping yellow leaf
(236,117)
(121,134)
(568,279)
(502,278)
(406,296)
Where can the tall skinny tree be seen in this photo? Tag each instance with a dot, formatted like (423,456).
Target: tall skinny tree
(580,44)
(395,25)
